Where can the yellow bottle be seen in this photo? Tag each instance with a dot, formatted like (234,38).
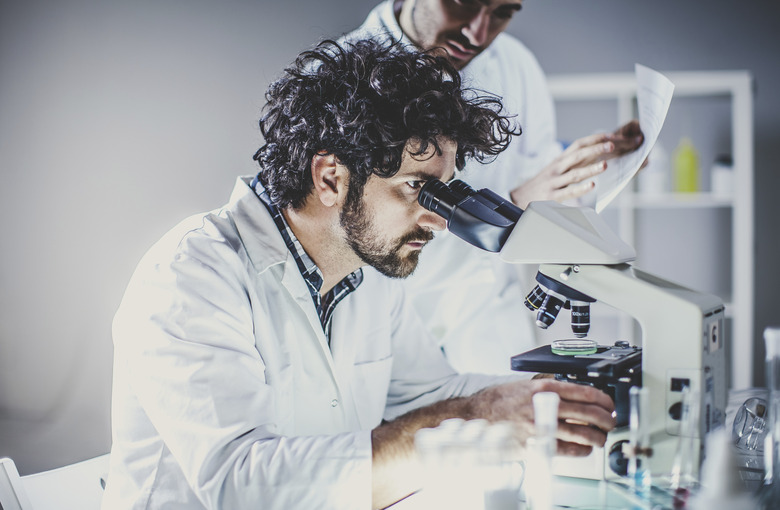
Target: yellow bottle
(686,167)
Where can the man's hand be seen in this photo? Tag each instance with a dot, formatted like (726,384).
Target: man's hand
(627,138)
(585,415)
(569,175)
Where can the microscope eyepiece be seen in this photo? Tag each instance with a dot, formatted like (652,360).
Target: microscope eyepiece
(481,218)
(459,187)
(441,199)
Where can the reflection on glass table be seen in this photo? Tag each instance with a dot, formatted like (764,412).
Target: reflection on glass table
(567,493)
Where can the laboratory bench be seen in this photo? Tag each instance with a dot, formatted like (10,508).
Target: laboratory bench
(567,493)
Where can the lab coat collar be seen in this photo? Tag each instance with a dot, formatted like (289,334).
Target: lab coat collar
(386,13)
(262,240)
(266,248)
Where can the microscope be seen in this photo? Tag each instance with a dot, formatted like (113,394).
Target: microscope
(583,261)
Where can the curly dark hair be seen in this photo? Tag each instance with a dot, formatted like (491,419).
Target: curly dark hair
(362,101)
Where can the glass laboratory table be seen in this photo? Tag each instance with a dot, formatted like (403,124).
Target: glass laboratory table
(567,493)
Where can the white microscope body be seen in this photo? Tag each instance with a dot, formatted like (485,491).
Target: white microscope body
(682,331)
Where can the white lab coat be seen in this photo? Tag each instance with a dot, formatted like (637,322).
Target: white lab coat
(470,300)
(226,394)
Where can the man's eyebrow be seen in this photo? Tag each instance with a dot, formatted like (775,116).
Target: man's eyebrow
(425,176)
(508,7)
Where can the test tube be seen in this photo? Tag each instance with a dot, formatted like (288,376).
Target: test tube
(682,476)
(771,485)
(639,440)
(448,456)
(502,473)
(541,450)
(546,418)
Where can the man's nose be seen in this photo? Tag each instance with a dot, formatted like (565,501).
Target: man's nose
(431,221)
(477,28)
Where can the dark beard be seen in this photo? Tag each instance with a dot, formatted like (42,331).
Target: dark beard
(363,240)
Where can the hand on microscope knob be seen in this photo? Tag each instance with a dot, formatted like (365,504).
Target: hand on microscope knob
(585,414)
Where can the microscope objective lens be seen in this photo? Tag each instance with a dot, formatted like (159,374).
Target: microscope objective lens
(535,298)
(548,311)
(580,318)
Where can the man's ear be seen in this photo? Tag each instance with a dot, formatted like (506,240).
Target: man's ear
(330,179)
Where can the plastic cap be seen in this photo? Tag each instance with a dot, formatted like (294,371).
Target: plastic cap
(772,342)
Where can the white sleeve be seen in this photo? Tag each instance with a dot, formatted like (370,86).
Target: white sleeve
(185,343)
(421,373)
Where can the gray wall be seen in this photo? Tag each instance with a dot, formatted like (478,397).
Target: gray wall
(119,118)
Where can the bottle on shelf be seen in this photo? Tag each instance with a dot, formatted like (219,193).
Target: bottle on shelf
(685,164)
(654,178)
(722,175)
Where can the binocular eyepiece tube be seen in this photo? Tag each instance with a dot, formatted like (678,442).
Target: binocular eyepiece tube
(481,218)
(438,197)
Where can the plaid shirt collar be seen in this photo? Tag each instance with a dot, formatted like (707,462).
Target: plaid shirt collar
(309,270)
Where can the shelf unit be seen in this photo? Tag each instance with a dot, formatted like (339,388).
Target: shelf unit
(619,89)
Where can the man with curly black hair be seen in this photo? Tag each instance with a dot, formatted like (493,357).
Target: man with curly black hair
(263,358)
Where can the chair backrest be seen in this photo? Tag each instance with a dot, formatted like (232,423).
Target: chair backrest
(12,493)
(76,486)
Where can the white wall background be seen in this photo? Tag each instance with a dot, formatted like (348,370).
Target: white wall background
(119,118)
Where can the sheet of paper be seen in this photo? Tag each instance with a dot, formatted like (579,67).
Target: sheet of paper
(654,93)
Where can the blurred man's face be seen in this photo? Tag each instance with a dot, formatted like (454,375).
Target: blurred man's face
(463,28)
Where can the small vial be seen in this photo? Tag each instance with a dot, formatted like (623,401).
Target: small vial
(682,476)
(685,163)
(541,450)
(639,440)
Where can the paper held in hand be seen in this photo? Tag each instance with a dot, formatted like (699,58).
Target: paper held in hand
(653,95)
